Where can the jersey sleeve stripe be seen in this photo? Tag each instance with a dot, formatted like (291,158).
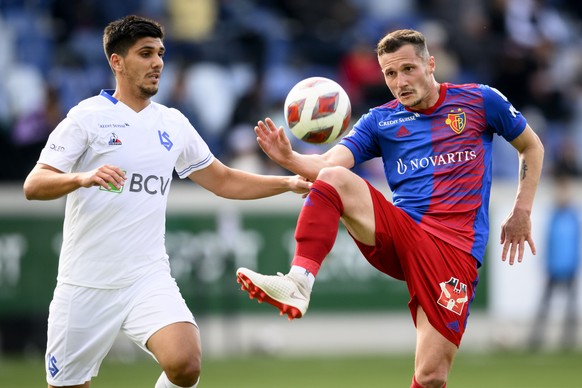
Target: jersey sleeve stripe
(196,166)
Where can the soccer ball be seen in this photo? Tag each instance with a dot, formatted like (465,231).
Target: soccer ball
(317,110)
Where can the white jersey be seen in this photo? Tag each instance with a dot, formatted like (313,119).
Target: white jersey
(111,238)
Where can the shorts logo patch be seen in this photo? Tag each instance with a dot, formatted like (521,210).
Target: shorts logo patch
(453,295)
(51,365)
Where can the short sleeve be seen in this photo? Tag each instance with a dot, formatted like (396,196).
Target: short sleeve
(502,118)
(65,145)
(195,155)
(361,140)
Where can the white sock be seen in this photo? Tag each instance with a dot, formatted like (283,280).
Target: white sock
(164,382)
(303,271)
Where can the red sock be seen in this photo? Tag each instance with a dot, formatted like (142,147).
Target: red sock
(415,383)
(317,226)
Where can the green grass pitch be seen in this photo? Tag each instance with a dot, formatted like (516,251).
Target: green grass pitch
(500,370)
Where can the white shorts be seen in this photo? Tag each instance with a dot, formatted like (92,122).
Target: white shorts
(84,322)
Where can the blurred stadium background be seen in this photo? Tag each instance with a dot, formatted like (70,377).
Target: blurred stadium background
(231,63)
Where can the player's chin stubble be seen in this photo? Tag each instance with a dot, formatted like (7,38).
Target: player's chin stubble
(148,92)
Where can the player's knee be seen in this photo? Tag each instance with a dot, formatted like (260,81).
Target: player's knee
(333,175)
(431,379)
(185,373)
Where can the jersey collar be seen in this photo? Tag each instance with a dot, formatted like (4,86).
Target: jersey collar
(442,95)
(108,94)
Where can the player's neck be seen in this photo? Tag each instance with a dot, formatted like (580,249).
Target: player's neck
(431,99)
(435,95)
(136,103)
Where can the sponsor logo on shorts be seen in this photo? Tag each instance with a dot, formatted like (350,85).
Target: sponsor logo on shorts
(51,365)
(453,295)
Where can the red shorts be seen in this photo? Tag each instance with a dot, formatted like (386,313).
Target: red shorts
(440,277)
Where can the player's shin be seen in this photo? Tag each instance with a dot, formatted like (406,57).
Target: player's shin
(317,227)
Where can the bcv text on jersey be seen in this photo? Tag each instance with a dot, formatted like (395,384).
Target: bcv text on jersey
(150,184)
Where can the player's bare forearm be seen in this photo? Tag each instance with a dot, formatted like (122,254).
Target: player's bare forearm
(309,165)
(516,229)
(232,183)
(45,182)
(253,186)
(531,158)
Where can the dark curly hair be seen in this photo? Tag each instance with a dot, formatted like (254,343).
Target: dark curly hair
(121,34)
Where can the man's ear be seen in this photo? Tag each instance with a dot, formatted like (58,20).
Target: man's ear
(431,64)
(116,62)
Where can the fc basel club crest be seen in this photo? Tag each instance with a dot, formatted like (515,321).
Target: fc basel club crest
(456,120)
(453,295)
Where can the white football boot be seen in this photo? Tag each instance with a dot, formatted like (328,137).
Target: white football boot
(288,293)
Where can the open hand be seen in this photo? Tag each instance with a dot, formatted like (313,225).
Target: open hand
(515,232)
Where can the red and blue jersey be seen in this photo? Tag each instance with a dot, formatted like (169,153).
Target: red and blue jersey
(438,161)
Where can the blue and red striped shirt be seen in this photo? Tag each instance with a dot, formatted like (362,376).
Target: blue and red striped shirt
(438,161)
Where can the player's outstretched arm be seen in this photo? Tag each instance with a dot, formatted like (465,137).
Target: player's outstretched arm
(275,143)
(45,182)
(516,229)
(237,184)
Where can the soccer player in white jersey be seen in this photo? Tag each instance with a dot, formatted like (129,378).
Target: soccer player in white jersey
(113,156)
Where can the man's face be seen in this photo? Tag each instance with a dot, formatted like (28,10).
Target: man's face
(142,66)
(409,77)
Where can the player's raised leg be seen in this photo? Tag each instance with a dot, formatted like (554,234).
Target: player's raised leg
(336,194)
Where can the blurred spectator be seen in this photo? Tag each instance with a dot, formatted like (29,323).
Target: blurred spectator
(567,164)
(191,21)
(448,63)
(245,152)
(209,90)
(362,79)
(31,130)
(472,38)
(535,23)
(320,29)
(35,126)
(562,262)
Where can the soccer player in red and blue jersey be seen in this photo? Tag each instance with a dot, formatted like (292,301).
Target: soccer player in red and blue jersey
(435,142)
